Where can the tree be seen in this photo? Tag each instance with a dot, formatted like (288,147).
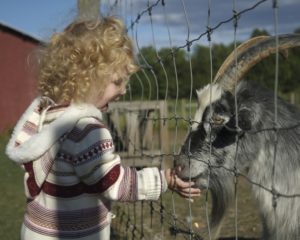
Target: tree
(259,32)
(297,30)
(263,72)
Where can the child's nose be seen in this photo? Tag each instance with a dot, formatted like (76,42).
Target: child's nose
(123,91)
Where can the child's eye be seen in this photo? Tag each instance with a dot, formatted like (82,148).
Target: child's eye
(118,82)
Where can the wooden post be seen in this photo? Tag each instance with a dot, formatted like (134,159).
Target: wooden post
(164,137)
(88,9)
(132,126)
(148,132)
(292,98)
(145,147)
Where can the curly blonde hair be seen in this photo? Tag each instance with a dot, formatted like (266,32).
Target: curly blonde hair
(83,58)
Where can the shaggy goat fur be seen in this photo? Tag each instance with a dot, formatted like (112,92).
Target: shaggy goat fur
(210,153)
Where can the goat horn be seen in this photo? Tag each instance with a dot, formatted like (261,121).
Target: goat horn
(240,61)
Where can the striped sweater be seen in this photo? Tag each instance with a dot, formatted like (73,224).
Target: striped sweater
(72,173)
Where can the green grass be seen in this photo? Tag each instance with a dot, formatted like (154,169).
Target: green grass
(12,200)
(132,219)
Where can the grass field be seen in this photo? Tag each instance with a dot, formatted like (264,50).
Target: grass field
(12,199)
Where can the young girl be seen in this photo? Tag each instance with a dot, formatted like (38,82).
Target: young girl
(72,173)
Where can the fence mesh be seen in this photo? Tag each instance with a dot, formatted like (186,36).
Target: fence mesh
(139,125)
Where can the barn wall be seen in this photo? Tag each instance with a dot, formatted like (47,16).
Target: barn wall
(18,86)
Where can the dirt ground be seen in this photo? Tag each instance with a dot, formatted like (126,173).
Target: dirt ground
(152,221)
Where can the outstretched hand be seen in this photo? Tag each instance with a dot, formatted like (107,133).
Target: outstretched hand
(183,188)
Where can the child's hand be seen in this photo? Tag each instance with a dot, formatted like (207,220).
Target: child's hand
(183,188)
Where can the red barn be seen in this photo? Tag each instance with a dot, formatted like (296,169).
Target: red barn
(18,85)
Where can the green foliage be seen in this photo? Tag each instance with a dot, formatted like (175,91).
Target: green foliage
(159,80)
(259,32)
(297,30)
(288,71)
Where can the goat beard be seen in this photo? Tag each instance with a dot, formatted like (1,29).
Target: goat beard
(222,189)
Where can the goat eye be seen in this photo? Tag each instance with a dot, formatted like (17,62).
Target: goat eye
(217,120)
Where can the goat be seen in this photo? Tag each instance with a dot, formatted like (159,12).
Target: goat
(234,133)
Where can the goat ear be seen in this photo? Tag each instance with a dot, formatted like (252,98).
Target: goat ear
(245,119)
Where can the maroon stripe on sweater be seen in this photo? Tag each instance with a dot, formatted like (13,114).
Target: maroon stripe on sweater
(32,185)
(30,128)
(127,189)
(75,190)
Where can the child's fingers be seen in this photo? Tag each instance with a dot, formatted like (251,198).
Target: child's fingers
(185,189)
(182,184)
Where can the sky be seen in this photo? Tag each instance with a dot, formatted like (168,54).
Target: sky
(174,24)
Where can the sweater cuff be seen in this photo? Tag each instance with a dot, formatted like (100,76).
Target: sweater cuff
(149,184)
(164,183)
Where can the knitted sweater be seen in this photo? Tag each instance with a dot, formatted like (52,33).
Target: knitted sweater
(72,173)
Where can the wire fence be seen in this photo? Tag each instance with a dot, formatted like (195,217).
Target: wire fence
(164,219)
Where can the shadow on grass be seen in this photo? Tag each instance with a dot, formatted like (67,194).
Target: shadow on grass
(176,231)
(239,238)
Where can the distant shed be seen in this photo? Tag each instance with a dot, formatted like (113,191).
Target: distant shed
(18,85)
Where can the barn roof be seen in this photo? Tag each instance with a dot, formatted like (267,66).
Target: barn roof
(8,28)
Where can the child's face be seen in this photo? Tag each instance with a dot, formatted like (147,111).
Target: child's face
(113,91)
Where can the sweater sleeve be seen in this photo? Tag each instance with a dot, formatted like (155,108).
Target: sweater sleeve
(92,155)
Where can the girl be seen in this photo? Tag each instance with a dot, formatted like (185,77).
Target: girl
(72,173)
